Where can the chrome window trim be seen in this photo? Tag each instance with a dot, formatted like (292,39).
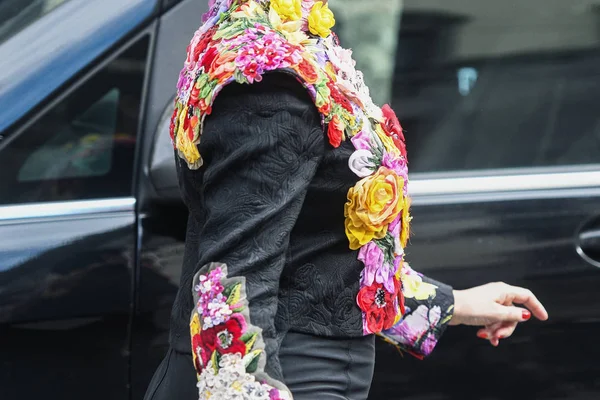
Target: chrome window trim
(38,211)
(506,183)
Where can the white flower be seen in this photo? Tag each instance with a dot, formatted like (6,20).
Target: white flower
(361,163)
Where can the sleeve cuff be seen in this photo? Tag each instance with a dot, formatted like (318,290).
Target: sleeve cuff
(426,317)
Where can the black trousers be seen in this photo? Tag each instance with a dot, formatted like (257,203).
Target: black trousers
(313,368)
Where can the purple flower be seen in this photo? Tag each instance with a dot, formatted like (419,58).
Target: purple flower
(376,269)
(417,325)
(361,141)
(428,344)
(398,165)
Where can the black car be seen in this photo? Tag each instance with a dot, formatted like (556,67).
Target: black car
(499,104)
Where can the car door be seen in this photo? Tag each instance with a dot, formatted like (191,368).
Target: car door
(68,209)
(498,102)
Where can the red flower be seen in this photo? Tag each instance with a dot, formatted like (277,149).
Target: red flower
(194,95)
(308,72)
(202,354)
(325,109)
(201,46)
(378,305)
(338,97)
(225,338)
(208,58)
(335,131)
(392,128)
(172,125)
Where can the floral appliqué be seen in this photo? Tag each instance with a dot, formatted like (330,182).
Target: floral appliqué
(228,352)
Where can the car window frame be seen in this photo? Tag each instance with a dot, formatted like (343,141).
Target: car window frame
(75,84)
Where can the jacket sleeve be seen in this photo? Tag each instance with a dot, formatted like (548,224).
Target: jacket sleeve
(261,147)
(429,307)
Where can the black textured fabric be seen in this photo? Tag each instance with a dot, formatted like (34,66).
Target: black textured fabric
(269,202)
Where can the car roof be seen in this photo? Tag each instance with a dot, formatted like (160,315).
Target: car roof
(43,56)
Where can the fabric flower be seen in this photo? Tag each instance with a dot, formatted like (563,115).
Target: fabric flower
(373,203)
(392,128)
(335,131)
(376,269)
(361,163)
(361,141)
(290,10)
(224,338)
(406,218)
(416,325)
(307,71)
(379,307)
(320,19)
(186,148)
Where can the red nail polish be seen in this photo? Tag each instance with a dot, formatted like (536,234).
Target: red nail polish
(501,337)
(526,315)
(482,335)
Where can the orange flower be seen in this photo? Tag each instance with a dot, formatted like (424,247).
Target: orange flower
(307,71)
(373,203)
(335,131)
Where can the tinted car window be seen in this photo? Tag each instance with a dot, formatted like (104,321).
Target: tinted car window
(83,146)
(17,14)
(483,84)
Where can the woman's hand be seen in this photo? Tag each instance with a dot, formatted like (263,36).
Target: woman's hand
(492,306)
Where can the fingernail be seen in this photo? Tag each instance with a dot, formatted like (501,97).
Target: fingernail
(526,315)
(501,337)
(482,335)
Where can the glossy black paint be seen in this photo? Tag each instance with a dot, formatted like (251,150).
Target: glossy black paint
(65,301)
(532,243)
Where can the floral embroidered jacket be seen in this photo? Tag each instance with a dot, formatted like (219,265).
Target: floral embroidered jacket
(297,189)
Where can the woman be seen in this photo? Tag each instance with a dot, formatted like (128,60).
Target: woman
(296,185)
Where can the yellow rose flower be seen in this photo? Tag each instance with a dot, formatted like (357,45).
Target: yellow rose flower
(321,19)
(288,10)
(406,218)
(373,203)
(186,148)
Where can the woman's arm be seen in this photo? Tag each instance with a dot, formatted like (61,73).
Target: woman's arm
(261,147)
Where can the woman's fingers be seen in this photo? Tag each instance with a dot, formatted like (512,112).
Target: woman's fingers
(495,332)
(504,330)
(525,297)
(511,314)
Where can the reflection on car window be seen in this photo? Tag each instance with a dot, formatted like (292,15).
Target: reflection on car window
(17,14)
(83,147)
(483,84)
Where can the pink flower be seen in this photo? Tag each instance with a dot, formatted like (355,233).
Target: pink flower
(398,165)
(361,141)
(416,326)
(376,269)
(268,51)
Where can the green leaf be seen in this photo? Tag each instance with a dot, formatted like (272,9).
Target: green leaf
(249,339)
(251,361)
(205,91)
(215,361)
(234,296)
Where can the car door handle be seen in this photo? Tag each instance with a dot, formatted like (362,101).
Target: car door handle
(589,246)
